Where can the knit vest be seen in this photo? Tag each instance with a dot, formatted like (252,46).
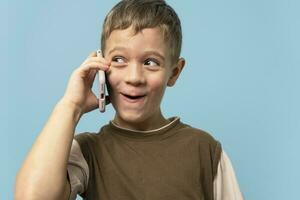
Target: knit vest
(174,162)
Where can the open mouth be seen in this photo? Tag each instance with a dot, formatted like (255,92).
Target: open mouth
(131,97)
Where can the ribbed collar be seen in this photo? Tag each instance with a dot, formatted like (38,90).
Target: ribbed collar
(154,134)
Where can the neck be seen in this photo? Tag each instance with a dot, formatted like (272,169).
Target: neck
(153,122)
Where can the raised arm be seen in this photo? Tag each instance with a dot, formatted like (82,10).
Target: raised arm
(43,175)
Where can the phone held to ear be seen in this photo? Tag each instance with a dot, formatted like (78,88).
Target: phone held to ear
(101,75)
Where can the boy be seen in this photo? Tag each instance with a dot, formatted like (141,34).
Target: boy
(140,154)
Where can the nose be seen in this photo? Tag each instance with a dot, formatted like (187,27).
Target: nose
(135,74)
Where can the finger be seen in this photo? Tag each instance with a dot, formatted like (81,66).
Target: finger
(99,59)
(93,65)
(91,77)
(93,102)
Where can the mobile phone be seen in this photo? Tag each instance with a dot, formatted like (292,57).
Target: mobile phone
(101,76)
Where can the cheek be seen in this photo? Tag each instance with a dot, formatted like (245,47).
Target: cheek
(158,84)
(113,79)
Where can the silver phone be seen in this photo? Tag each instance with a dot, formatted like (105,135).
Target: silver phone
(101,76)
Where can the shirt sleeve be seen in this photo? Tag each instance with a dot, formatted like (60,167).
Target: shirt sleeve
(226,186)
(77,170)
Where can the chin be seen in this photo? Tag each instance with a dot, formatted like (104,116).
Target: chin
(131,117)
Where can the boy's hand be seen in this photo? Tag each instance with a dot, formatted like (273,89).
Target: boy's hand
(79,90)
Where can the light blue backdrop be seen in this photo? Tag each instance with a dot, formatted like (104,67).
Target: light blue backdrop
(241,81)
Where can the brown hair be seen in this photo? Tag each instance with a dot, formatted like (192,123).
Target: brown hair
(142,14)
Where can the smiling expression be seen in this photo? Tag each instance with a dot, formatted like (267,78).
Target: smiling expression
(140,71)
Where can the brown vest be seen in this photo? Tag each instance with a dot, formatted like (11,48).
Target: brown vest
(174,162)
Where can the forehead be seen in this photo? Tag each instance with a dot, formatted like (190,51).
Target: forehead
(147,39)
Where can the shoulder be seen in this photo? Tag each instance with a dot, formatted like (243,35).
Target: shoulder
(206,142)
(198,134)
(89,137)
(209,148)
(84,137)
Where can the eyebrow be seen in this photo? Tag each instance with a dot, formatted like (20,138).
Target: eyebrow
(145,52)
(116,49)
(156,54)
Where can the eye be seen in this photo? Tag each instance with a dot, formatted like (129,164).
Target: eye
(151,62)
(118,59)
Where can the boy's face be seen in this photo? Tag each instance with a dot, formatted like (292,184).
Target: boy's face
(140,71)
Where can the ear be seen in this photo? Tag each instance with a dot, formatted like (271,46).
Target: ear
(176,72)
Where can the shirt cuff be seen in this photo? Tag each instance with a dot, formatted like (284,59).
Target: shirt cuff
(77,171)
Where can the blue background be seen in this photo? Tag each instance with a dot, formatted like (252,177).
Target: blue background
(240,83)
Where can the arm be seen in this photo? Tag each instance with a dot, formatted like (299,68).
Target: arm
(43,174)
(226,186)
